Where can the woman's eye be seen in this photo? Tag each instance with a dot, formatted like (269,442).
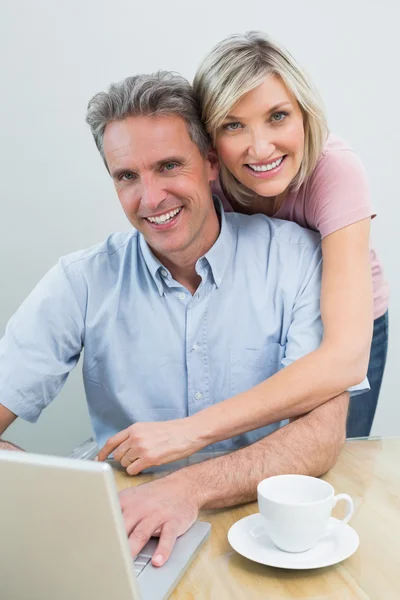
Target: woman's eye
(279,116)
(232,126)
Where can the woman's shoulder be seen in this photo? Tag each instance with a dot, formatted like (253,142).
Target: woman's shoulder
(337,154)
(337,192)
(334,143)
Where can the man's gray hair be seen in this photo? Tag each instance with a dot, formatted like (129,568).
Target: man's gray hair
(162,93)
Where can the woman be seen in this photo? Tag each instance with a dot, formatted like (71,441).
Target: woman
(268,127)
(277,158)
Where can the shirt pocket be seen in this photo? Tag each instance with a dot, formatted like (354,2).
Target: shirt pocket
(251,366)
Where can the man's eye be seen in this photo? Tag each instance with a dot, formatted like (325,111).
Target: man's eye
(279,116)
(232,126)
(126,176)
(170,166)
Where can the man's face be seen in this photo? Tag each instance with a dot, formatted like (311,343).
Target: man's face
(162,182)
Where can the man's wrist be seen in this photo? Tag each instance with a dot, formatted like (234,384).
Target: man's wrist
(188,481)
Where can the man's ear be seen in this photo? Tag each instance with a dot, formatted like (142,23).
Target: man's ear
(213,163)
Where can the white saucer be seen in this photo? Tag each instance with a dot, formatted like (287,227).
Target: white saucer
(249,537)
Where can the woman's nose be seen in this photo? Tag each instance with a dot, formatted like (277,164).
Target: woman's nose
(261,146)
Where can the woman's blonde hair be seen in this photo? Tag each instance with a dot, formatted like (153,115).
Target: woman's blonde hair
(241,63)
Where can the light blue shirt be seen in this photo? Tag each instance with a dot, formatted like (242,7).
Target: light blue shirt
(151,350)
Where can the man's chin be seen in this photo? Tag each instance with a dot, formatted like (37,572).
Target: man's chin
(166,250)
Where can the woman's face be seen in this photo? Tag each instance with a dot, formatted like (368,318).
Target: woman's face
(261,141)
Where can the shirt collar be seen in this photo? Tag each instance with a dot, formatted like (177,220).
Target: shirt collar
(219,254)
(217,257)
(152,263)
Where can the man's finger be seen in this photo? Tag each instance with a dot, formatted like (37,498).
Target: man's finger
(112,443)
(130,519)
(141,534)
(169,533)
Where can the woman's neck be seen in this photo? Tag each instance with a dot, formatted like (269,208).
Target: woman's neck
(261,204)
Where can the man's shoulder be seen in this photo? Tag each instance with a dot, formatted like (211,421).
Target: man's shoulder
(114,247)
(273,230)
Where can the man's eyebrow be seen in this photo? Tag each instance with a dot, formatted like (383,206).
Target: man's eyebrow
(154,166)
(168,159)
(271,110)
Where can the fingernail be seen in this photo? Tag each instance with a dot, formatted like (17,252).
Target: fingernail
(158,560)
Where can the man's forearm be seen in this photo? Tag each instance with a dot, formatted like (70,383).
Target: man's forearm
(309,445)
(6,418)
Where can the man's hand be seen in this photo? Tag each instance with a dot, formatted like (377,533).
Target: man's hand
(166,507)
(145,445)
(9,446)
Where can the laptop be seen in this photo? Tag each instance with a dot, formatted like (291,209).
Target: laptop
(62,535)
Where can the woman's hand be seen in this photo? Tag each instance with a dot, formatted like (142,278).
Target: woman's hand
(145,445)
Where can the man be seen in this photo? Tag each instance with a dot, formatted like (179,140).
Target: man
(188,309)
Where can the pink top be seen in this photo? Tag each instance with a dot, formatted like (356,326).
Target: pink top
(334,196)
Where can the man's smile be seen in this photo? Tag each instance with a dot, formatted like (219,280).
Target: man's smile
(164,220)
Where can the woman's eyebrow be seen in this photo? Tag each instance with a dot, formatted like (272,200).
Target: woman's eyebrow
(269,111)
(278,106)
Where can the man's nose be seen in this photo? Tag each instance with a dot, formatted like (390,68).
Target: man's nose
(153,194)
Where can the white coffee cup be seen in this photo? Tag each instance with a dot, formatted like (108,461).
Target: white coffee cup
(297,508)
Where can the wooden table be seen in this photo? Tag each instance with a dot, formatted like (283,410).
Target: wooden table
(368,470)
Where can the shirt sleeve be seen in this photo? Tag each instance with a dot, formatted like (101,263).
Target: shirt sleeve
(306,330)
(338,192)
(41,345)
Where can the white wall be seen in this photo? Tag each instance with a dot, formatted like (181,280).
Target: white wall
(55,194)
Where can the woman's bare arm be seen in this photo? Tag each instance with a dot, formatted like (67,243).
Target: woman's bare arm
(340,362)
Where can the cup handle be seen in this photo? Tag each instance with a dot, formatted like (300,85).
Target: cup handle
(332,527)
(350,505)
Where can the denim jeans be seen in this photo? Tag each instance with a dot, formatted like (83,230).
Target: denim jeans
(362,407)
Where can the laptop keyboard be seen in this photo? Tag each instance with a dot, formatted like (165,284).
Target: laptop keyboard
(144,557)
(140,562)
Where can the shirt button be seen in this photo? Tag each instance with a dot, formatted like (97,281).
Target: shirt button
(195,346)
(198,395)
(164,273)
(181,296)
